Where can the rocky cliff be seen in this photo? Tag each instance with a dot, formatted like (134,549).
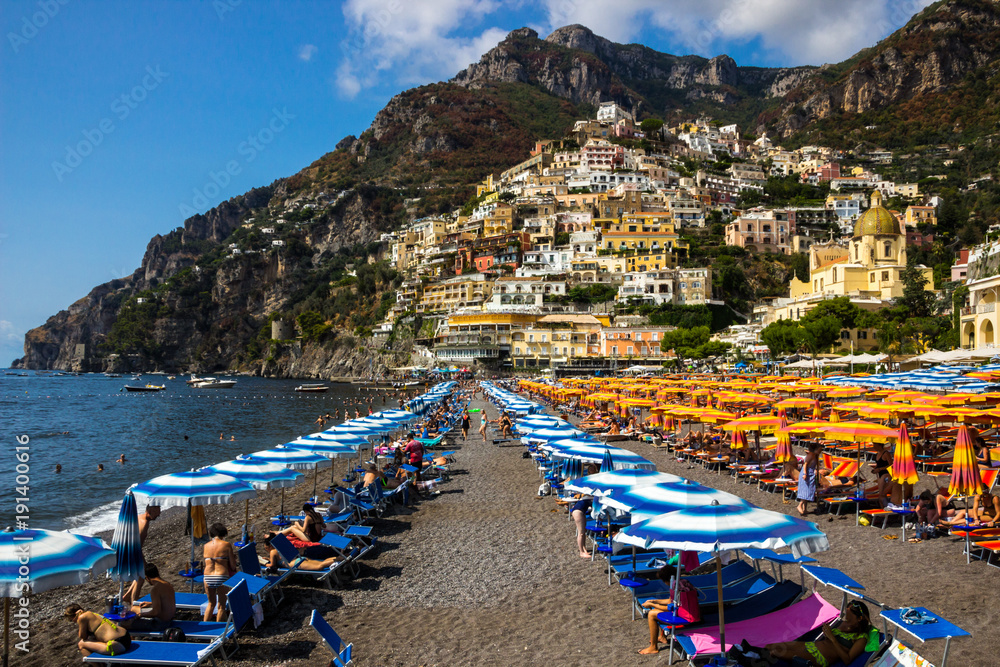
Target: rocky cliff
(195,304)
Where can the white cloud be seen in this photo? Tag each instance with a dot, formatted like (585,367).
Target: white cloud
(789,31)
(9,334)
(412,40)
(409,42)
(307,51)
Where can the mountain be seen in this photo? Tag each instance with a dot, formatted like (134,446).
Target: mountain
(195,305)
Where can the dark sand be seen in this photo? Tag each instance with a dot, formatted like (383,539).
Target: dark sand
(487,574)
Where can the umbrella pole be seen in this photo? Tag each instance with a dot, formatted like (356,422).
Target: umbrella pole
(6,631)
(315,498)
(246,522)
(722,621)
(193,570)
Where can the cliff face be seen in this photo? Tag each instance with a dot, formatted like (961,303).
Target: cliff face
(935,51)
(203,309)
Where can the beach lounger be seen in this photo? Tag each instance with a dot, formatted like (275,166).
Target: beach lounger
(291,556)
(786,624)
(184,601)
(939,629)
(897,654)
(170,654)
(341,652)
(240,613)
(774,598)
(708,590)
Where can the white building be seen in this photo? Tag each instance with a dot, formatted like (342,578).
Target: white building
(609,112)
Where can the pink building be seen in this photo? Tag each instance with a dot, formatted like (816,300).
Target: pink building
(762,231)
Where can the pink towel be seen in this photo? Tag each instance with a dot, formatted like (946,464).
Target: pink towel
(779,626)
(689,560)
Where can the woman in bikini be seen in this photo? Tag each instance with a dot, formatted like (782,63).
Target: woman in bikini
(220,563)
(842,644)
(98,634)
(985,510)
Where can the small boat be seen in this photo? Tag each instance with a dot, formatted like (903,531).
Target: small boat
(148,387)
(312,388)
(195,379)
(171,377)
(212,383)
(112,375)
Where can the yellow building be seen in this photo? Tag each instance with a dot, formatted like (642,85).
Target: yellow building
(650,262)
(640,231)
(555,340)
(455,293)
(480,336)
(867,270)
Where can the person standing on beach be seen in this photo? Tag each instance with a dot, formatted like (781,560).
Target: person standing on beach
(484,421)
(808,478)
(415,451)
(465,424)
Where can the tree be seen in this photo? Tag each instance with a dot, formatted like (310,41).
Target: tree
(819,333)
(651,125)
(800,266)
(781,337)
(846,312)
(916,299)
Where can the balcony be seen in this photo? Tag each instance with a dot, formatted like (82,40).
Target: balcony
(986,307)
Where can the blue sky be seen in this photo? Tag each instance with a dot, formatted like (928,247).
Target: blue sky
(114,116)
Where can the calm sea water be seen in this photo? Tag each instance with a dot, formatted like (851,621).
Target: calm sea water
(81,421)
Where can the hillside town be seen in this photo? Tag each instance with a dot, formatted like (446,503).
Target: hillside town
(559,260)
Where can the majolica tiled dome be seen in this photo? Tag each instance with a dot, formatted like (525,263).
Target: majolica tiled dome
(877,220)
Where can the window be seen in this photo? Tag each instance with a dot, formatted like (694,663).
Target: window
(653,336)
(845,334)
(517,350)
(614,349)
(683,285)
(862,335)
(630,350)
(888,248)
(531,338)
(885,276)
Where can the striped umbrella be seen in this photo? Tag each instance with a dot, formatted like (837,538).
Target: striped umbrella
(57,559)
(817,410)
(965,477)
(129,565)
(260,475)
(834,417)
(296,459)
(903,469)
(350,439)
(784,452)
(738,440)
(395,415)
(359,430)
(716,528)
(645,502)
(607,463)
(572,468)
(559,434)
(190,489)
(860,432)
(762,423)
(622,458)
(601,483)
(331,450)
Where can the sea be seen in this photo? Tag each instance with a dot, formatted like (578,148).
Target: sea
(80,421)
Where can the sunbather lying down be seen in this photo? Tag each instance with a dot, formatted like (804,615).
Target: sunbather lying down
(274,561)
(843,643)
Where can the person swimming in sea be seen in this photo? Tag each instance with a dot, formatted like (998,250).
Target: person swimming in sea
(100,467)
(121,459)
(58,467)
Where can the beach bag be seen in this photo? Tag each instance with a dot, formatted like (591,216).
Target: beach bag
(174,635)
(688,603)
(544,489)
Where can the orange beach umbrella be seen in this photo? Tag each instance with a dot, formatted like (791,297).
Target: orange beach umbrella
(903,470)
(965,477)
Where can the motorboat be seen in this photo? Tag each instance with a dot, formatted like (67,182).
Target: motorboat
(148,387)
(195,379)
(312,388)
(212,383)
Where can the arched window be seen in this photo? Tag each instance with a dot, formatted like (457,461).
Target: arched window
(871,252)
(888,248)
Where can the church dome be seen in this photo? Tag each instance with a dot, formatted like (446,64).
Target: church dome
(877,220)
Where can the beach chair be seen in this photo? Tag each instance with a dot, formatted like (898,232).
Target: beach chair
(291,556)
(172,654)
(341,652)
(777,597)
(258,584)
(897,654)
(788,624)
(939,629)
(240,613)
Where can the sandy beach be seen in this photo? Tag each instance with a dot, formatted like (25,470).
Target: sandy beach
(487,574)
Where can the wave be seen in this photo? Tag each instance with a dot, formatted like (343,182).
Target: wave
(96,520)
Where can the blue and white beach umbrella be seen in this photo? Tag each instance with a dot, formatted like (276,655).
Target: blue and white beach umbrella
(601,483)
(260,475)
(194,487)
(129,565)
(607,463)
(331,450)
(296,459)
(349,439)
(189,489)
(645,502)
(395,415)
(572,468)
(716,528)
(557,434)
(594,453)
(55,559)
(356,429)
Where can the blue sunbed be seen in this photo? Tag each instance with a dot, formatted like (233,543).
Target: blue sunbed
(341,656)
(940,629)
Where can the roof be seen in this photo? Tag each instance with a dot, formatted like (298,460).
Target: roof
(877,220)
(573,319)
